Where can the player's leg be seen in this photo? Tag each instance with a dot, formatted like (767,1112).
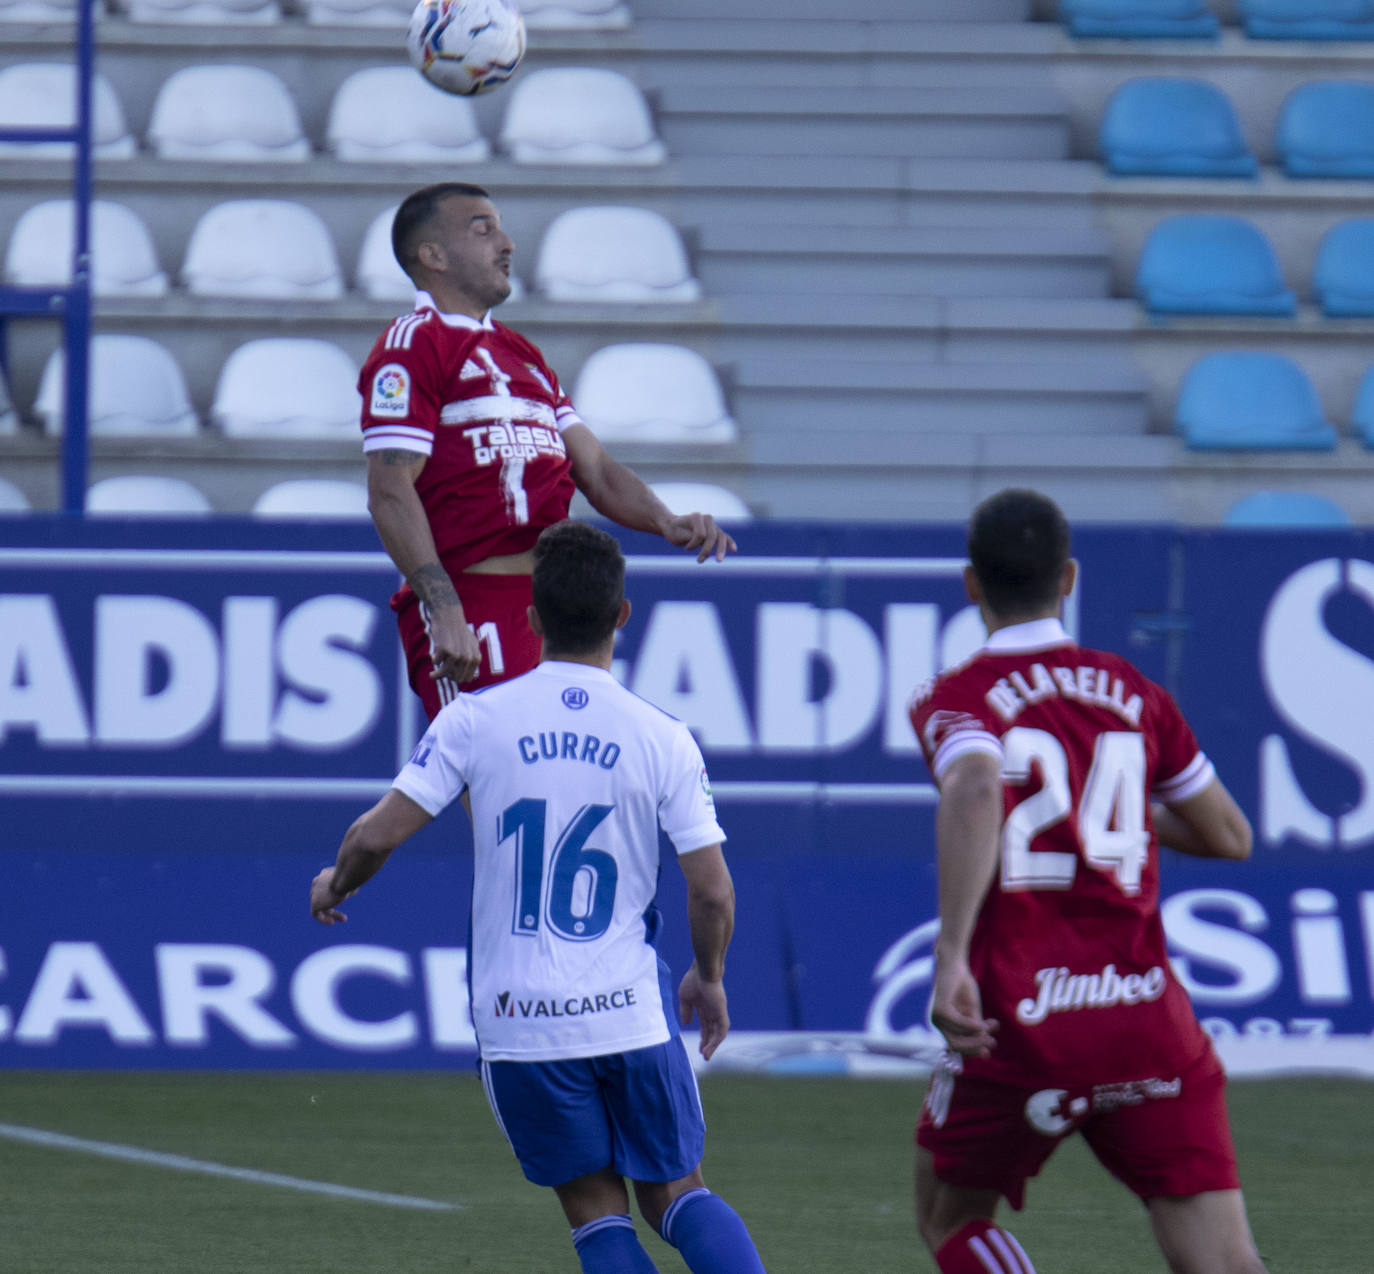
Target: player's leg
(554,1117)
(708,1233)
(957,1223)
(1205,1233)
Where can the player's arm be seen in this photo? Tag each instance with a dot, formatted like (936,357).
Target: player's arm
(623,496)
(1207,825)
(711,921)
(366,846)
(968,836)
(404,530)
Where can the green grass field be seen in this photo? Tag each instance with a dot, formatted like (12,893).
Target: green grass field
(819,1168)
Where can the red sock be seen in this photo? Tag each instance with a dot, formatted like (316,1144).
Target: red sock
(982,1248)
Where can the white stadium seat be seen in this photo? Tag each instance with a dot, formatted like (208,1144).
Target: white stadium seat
(579,115)
(560,15)
(285,387)
(314,498)
(12,499)
(146,495)
(135,387)
(362,13)
(123,259)
(43,95)
(702,497)
(268,248)
(226,113)
(652,393)
(205,12)
(381,278)
(614,254)
(390,114)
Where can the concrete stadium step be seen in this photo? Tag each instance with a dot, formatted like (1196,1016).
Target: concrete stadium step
(968,123)
(827,10)
(1017,262)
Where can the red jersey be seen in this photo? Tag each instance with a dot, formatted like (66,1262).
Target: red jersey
(479,401)
(1068,949)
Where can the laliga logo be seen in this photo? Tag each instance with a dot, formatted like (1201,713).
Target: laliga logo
(1315,683)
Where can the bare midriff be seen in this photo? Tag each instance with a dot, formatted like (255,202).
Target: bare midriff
(504,564)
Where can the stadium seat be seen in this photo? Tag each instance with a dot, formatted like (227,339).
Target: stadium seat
(226,113)
(579,115)
(312,384)
(135,387)
(1363,419)
(314,498)
(614,254)
(205,12)
(12,499)
(1286,508)
(702,497)
(389,113)
(146,495)
(269,248)
(123,259)
(1326,129)
(1308,19)
(1343,277)
(1211,265)
(43,95)
(557,15)
(1173,128)
(1139,19)
(1247,401)
(652,393)
(361,13)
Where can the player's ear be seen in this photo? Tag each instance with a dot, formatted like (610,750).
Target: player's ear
(971,585)
(430,255)
(532,618)
(1070,577)
(624,616)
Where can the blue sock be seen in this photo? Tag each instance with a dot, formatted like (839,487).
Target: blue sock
(710,1235)
(608,1245)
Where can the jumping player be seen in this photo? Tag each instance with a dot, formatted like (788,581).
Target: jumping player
(570,777)
(473,448)
(1061,770)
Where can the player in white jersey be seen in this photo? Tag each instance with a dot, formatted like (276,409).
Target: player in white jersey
(570,777)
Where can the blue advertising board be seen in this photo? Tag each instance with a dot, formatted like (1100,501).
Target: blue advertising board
(192,714)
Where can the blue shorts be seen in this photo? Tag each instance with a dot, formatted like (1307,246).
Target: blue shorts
(638,1113)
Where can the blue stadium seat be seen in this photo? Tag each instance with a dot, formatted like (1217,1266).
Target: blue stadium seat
(1326,129)
(1343,278)
(1211,265)
(1308,19)
(1364,409)
(1286,508)
(1257,402)
(1139,19)
(1173,128)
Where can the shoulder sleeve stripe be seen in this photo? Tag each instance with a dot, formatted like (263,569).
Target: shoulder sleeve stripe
(1194,776)
(566,418)
(961,744)
(390,438)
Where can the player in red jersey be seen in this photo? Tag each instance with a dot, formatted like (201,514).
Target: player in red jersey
(1060,770)
(473,448)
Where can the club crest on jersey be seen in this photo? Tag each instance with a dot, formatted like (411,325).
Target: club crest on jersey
(391,392)
(576,698)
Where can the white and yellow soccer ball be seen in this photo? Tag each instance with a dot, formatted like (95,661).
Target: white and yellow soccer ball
(466,46)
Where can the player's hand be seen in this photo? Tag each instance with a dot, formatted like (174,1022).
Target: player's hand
(956,1009)
(324,902)
(699,531)
(707,1000)
(455,650)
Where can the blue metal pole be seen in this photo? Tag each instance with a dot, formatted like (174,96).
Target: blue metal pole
(77,319)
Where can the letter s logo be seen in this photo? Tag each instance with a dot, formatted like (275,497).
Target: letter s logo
(1313,681)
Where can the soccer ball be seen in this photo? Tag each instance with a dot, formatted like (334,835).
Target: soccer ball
(466,46)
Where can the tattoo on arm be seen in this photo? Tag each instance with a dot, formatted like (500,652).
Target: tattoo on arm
(432,585)
(394,455)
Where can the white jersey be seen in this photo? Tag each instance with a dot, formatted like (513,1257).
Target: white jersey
(570,777)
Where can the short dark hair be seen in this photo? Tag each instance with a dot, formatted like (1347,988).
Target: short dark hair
(414,214)
(579,585)
(1018,542)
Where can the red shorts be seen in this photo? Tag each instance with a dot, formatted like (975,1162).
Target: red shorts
(495,609)
(1164,1135)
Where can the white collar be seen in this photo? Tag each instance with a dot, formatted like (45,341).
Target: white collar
(571,668)
(1035,634)
(423,301)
